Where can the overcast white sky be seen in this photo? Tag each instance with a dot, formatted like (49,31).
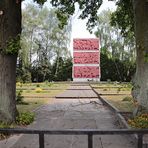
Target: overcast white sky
(79,26)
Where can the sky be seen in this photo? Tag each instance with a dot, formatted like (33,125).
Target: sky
(79,26)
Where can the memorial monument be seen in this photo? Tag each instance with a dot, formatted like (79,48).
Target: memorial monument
(86,60)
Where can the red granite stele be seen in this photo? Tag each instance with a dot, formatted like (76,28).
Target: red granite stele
(86,60)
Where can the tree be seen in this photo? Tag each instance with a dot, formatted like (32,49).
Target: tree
(111,39)
(140,91)
(43,40)
(10,30)
(128,17)
(117,51)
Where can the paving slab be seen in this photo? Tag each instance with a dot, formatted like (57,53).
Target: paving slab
(78,91)
(73,114)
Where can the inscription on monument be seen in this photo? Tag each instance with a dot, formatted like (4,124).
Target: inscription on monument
(86,57)
(86,44)
(86,72)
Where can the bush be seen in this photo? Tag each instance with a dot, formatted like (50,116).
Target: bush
(127,99)
(4,125)
(139,122)
(25,118)
(119,89)
(19,98)
(22,119)
(38,90)
(105,89)
(38,85)
(19,84)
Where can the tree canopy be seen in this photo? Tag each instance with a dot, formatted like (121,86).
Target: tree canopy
(123,17)
(89,9)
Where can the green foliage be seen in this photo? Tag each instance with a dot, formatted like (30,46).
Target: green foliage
(13,46)
(113,44)
(5,125)
(41,2)
(38,90)
(88,9)
(23,74)
(115,69)
(139,122)
(123,17)
(127,98)
(25,118)
(38,85)
(19,84)
(42,37)
(64,70)
(19,98)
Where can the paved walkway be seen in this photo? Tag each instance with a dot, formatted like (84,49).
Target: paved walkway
(84,113)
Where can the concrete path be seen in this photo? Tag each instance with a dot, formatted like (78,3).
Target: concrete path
(74,114)
(78,91)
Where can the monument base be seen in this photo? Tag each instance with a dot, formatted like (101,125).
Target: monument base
(86,79)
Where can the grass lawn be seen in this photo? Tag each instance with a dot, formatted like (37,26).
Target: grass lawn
(37,94)
(33,104)
(119,95)
(117,101)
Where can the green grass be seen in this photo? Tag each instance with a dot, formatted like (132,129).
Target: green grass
(37,98)
(117,101)
(121,92)
(33,104)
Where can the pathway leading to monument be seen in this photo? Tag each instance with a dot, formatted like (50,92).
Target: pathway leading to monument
(74,113)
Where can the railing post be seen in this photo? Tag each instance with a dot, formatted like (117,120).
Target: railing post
(41,140)
(140,140)
(90,141)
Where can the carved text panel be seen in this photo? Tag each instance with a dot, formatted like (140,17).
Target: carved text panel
(86,57)
(86,44)
(86,72)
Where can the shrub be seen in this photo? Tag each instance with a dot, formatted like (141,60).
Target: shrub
(139,122)
(22,119)
(105,89)
(38,85)
(19,84)
(25,118)
(5,125)
(127,98)
(19,98)
(49,84)
(119,89)
(38,90)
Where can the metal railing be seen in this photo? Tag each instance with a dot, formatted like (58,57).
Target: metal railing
(88,132)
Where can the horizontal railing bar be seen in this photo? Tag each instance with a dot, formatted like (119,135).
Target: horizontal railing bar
(74,131)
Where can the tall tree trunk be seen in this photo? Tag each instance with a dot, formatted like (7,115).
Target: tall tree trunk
(10,28)
(7,88)
(140,90)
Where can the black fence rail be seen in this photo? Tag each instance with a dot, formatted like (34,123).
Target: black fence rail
(88,132)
